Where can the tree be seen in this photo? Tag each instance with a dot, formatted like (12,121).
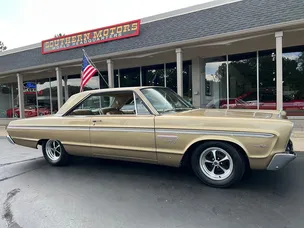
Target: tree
(2,47)
(59,35)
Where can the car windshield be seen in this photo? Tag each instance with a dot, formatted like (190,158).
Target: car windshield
(166,100)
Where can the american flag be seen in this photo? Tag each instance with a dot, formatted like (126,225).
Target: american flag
(87,71)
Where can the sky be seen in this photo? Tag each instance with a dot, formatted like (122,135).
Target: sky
(25,22)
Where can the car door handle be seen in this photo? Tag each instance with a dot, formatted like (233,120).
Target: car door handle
(97,121)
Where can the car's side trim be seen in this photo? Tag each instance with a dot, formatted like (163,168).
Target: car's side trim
(61,128)
(148,130)
(123,129)
(214,132)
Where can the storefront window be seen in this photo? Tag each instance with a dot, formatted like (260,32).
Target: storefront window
(171,76)
(8,101)
(54,100)
(116,79)
(267,80)
(74,82)
(103,79)
(43,98)
(153,75)
(293,81)
(216,83)
(30,99)
(187,81)
(130,77)
(243,81)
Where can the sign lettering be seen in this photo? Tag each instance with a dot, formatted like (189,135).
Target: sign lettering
(115,32)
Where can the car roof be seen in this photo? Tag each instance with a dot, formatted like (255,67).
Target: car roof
(79,96)
(119,89)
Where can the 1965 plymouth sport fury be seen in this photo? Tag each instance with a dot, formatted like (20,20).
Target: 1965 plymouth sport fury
(155,125)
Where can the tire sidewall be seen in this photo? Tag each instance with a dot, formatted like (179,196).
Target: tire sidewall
(238,165)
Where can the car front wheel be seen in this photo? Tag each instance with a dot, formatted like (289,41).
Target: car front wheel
(218,164)
(54,153)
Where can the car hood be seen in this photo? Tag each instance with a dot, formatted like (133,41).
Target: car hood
(235,113)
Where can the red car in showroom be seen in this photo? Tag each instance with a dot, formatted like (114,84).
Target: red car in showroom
(29,111)
(291,105)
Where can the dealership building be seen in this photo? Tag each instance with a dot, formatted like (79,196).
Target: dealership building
(220,54)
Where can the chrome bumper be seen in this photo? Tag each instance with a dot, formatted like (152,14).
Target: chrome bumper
(10,139)
(280,160)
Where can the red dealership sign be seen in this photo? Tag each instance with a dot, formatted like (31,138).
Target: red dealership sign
(110,33)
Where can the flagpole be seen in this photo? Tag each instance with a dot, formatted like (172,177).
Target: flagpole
(86,55)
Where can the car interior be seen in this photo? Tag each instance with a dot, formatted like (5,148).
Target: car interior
(107,104)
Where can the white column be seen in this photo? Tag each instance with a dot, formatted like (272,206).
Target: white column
(179,70)
(20,95)
(198,85)
(66,88)
(59,87)
(118,78)
(279,63)
(110,73)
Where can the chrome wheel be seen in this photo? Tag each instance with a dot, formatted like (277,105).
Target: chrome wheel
(216,163)
(53,150)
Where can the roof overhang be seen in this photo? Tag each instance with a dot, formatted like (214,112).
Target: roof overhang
(258,31)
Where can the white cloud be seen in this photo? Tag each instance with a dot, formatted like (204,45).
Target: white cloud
(42,19)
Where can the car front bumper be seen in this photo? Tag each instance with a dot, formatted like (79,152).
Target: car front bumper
(280,160)
(10,139)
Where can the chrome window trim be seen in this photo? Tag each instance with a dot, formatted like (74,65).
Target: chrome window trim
(100,93)
(135,104)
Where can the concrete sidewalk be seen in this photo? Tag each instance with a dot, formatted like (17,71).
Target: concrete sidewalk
(297,138)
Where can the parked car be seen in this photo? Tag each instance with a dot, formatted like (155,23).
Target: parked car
(219,145)
(292,106)
(29,111)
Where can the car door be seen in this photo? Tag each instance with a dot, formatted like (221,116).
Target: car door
(126,133)
(74,134)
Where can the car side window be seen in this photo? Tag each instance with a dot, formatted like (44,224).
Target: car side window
(140,106)
(112,103)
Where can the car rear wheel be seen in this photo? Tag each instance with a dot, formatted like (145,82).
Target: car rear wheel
(54,153)
(218,164)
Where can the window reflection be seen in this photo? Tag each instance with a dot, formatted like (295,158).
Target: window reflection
(103,80)
(293,80)
(116,79)
(44,97)
(54,100)
(30,99)
(243,81)
(171,76)
(153,75)
(9,101)
(130,77)
(267,80)
(216,83)
(187,81)
(74,82)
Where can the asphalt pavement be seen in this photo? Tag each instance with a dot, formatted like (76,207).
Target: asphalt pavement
(102,193)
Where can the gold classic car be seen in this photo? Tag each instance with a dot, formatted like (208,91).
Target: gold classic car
(155,125)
